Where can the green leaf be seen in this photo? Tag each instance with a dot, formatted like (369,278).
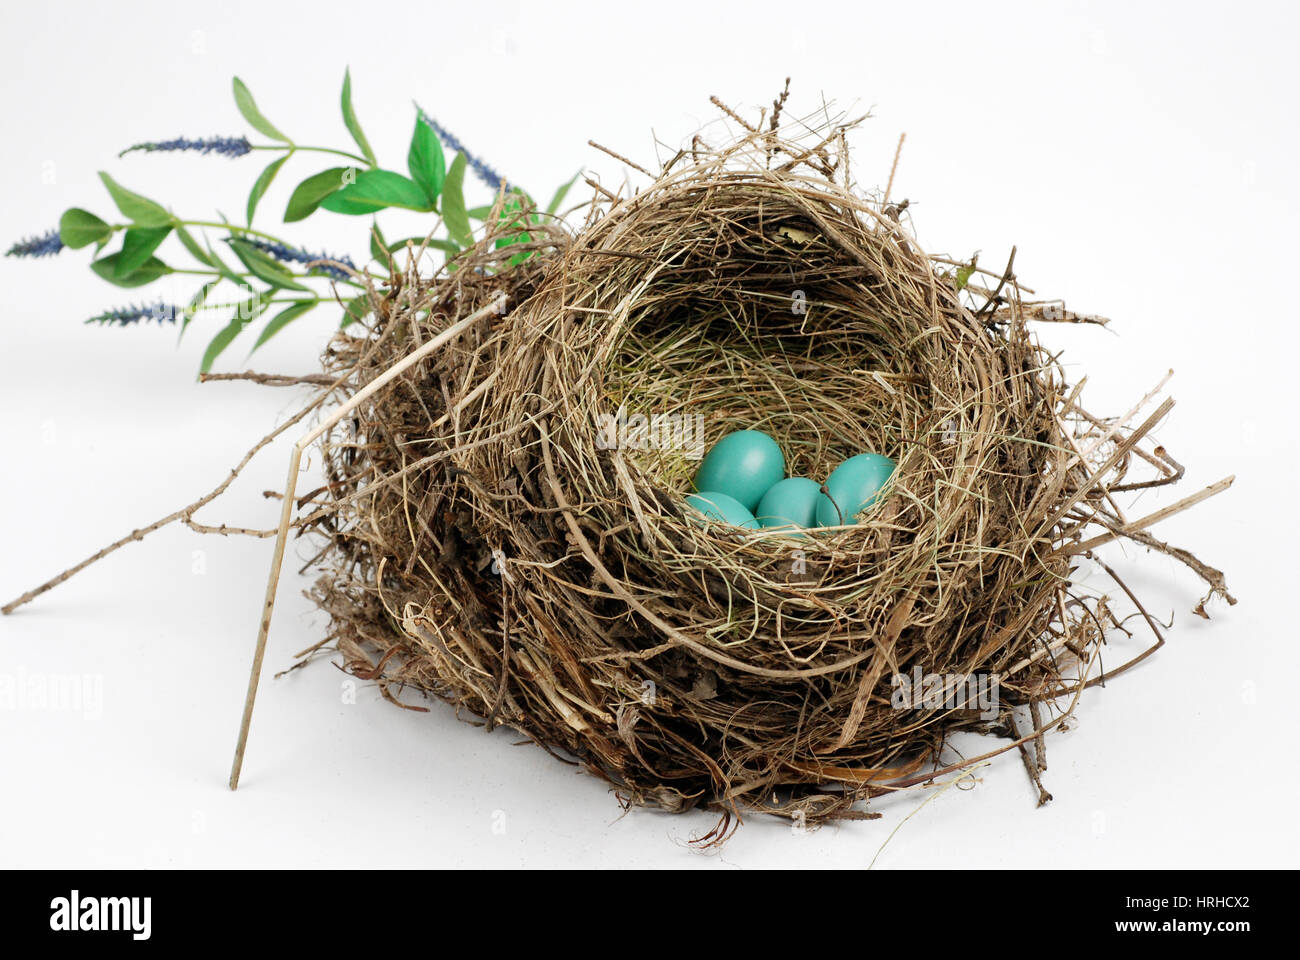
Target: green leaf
(512,218)
(453,203)
(340,203)
(260,185)
(146,273)
(220,266)
(426,161)
(307,196)
(247,106)
(379,189)
(355,310)
(511,239)
(192,245)
(79,228)
(350,119)
(519,196)
(963,276)
(263,266)
(513,207)
(141,211)
(561,193)
(248,311)
(220,342)
(282,320)
(195,302)
(138,246)
(480,213)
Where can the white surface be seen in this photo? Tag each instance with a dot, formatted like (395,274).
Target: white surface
(1141,157)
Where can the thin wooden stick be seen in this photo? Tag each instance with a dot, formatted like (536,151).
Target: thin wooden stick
(732,114)
(1135,525)
(1121,449)
(286,511)
(618,156)
(268,606)
(898,152)
(184,514)
(271,379)
(1074,445)
(1119,424)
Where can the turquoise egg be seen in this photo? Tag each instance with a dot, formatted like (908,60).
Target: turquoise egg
(721,507)
(743,465)
(789,503)
(853,486)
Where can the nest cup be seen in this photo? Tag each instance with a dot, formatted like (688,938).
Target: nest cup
(507,526)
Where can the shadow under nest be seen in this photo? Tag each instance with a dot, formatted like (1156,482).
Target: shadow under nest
(487,544)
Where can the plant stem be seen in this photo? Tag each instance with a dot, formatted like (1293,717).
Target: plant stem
(295,147)
(231,306)
(296,276)
(233,227)
(209,273)
(256,233)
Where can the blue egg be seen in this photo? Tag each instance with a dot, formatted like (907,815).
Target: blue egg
(853,486)
(789,503)
(723,508)
(743,465)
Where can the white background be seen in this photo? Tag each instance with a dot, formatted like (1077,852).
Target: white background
(1141,156)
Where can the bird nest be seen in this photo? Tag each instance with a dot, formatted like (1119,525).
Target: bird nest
(506,528)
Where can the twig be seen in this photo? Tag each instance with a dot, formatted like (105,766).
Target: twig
(286,510)
(597,187)
(185,514)
(1121,449)
(270,379)
(732,114)
(1133,526)
(1031,763)
(1056,313)
(226,531)
(1118,424)
(898,152)
(1215,578)
(1008,275)
(618,156)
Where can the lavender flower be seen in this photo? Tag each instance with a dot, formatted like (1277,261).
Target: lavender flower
(484,172)
(287,254)
(125,316)
(43,246)
(226,146)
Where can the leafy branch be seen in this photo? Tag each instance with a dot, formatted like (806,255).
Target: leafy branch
(272,273)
